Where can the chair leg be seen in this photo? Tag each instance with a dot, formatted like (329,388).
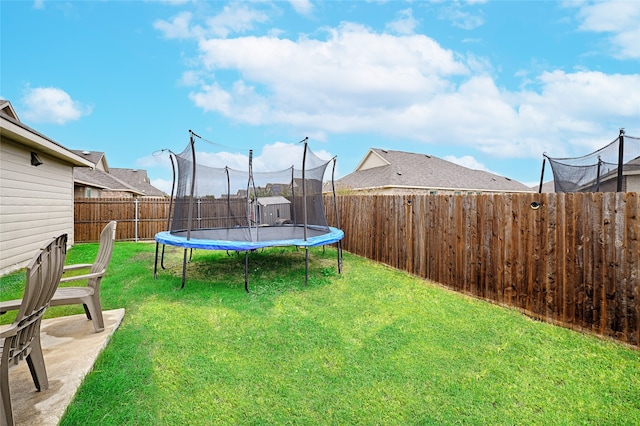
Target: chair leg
(93,308)
(6,413)
(87,312)
(35,361)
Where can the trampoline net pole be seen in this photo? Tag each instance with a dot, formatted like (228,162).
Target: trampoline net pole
(173,187)
(333,189)
(226,170)
(293,197)
(193,185)
(544,160)
(620,161)
(304,193)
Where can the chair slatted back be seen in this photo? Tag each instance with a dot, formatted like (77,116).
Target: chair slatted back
(107,240)
(43,276)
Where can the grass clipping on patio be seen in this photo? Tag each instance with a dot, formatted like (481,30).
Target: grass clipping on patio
(370,346)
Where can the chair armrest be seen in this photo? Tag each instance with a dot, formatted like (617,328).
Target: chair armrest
(10,305)
(7,330)
(76,266)
(81,277)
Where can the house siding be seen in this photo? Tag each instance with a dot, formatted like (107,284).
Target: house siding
(633,183)
(35,203)
(371,161)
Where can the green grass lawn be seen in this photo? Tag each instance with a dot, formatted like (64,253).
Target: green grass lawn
(370,346)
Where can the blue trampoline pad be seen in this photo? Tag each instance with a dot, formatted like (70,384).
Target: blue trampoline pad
(243,238)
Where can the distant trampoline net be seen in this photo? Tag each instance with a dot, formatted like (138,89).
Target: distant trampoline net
(220,208)
(605,170)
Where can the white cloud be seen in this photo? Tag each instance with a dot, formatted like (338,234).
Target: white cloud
(323,84)
(406,86)
(405,23)
(178,27)
(618,18)
(52,105)
(162,184)
(234,18)
(467,161)
(270,157)
(459,18)
(303,7)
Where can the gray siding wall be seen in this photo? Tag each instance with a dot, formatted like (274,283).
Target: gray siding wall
(269,214)
(36,203)
(633,183)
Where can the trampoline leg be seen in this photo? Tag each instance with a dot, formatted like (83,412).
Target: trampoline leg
(306,265)
(162,258)
(339,257)
(184,267)
(246,271)
(155,265)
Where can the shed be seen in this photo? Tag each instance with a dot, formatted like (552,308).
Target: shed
(273,210)
(36,190)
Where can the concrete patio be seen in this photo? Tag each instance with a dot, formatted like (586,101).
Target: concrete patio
(71,347)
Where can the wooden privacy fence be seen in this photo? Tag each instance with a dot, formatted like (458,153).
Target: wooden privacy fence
(138,219)
(568,259)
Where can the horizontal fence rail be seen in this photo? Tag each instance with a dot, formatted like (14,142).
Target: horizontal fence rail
(568,259)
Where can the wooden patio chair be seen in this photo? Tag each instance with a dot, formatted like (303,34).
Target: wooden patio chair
(89,295)
(21,339)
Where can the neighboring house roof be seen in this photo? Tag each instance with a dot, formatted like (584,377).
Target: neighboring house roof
(12,128)
(137,179)
(114,179)
(103,180)
(96,157)
(382,169)
(549,186)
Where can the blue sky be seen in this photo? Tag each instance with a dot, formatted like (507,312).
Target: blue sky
(491,85)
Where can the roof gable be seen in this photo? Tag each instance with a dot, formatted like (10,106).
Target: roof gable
(372,159)
(7,109)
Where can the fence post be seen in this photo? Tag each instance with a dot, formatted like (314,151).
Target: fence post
(199,214)
(136,220)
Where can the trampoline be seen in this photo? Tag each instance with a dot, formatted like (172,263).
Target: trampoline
(225,209)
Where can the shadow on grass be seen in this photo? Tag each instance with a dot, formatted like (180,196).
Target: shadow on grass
(270,271)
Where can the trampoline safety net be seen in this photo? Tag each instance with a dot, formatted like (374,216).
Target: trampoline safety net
(209,198)
(598,171)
